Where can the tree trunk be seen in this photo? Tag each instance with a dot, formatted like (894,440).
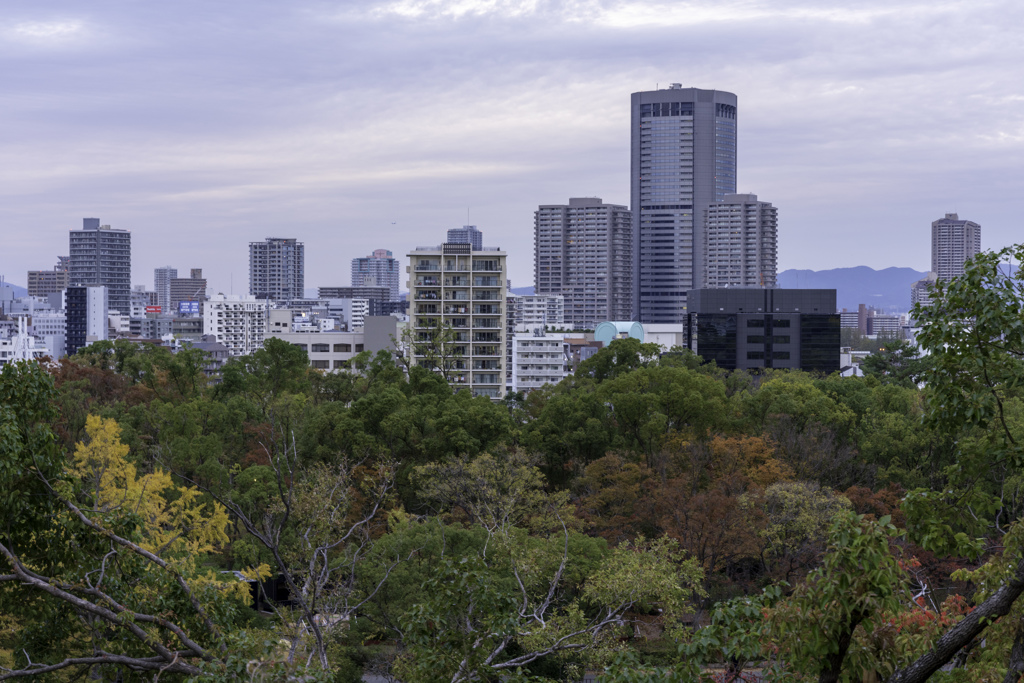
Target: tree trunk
(1015,667)
(964,631)
(833,665)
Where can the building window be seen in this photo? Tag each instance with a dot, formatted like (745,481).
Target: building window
(780,339)
(756,355)
(321,364)
(301,346)
(342,348)
(780,323)
(321,348)
(758,322)
(781,355)
(755,339)
(359,347)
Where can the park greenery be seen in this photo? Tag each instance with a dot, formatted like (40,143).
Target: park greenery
(651,517)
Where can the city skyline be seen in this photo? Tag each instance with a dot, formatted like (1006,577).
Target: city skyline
(200,139)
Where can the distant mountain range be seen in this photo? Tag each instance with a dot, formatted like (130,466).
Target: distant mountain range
(887,289)
(19,291)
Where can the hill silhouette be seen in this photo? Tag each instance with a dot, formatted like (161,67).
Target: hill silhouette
(887,289)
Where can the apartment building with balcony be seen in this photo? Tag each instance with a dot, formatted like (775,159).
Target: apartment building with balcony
(538,359)
(583,252)
(457,315)
(740,243)
(238,322)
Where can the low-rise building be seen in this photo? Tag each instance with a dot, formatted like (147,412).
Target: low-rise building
(765,328)
(334,350)
(538,359)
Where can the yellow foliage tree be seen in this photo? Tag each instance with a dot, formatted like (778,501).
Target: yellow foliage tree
(173,519)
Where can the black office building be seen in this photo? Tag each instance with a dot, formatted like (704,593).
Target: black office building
(765,328)
(77,313)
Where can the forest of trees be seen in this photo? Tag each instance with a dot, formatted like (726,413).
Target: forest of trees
(651,517)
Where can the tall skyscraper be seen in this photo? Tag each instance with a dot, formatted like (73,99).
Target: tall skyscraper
(162,285)
(379,269)
(277,269)
(740,242)
(467,234)
(683,157)
(953,242)
(101,255)
(583,251)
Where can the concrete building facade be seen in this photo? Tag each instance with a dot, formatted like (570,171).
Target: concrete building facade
(191,290)
(953,242)
(86,312)
(333,351)
(453,286)
(277,269)
(740,242)
(541,310)
(683,158)
(583,251)
(379,269)
(45,282)
(162,286)
(538,359)
(101,255)
(238,322)
(467,234)
(921,291)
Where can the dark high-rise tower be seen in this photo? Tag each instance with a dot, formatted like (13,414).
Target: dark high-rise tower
(683,157)
(101,255)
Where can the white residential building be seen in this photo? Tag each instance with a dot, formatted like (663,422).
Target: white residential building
(162,286)
(953,242)
(538,359)
(238,322)
(541,310)
(22,346)
(333,350)
(52,328)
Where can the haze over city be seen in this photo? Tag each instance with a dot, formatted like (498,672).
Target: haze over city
(355,126)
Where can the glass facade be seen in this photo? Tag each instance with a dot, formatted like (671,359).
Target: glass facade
(683,158)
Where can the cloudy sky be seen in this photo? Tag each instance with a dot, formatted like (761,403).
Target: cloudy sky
(203,125)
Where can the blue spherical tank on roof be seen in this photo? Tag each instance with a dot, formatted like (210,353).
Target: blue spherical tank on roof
(607,331)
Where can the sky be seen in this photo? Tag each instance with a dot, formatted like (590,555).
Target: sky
(203,125)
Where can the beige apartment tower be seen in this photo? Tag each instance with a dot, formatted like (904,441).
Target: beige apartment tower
(953,242)
(740,243)
(583,251)
(460,291)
